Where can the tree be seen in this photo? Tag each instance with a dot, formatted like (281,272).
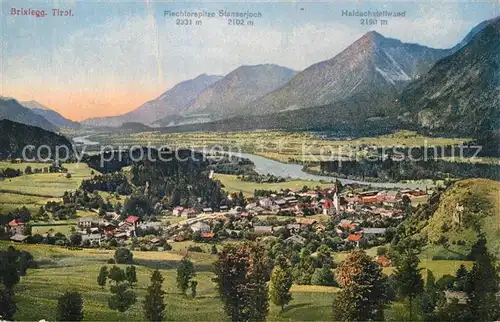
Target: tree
(241,275)
(381,251)
(122,298)
(124,256)
(70,307)
(409,282)
(483,284)
(193,286)
(322,276)
(7,305)
(76,239)
(103,276)
(185,272)
(462,276)
(117,274)
(279,287)
(9,268)
(153,304)
(429,298)
(131,275)
(364,289)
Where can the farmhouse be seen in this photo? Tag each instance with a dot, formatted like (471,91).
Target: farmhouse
(92,238)
(263,230)
(85,222)
(384,261)
(16,227)
(200,227)
(374,231)
(177,211)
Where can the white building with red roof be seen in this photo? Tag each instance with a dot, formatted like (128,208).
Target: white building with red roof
(16,227)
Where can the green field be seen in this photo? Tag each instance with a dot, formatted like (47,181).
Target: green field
(232,184)
(62,269)
(11,201)
(34,190)
(278,145)
(48,184)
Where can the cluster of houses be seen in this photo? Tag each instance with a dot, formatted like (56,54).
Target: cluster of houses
(348,208)
(95,230)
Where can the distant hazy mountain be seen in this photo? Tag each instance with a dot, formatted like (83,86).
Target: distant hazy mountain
(372,66)
(11,109)
(228,96)
(15,136)
(461,93)
(172,102)
(50,115)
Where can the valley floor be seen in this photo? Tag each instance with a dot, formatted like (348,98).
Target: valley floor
(62,269)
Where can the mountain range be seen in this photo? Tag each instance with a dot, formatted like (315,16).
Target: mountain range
(461,93)
(12,110)
(170,103)
(373,66)
(50,115)
(229,95)
(375,79)
(458,95)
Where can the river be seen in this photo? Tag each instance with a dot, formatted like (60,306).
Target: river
(285,170)
(290,170)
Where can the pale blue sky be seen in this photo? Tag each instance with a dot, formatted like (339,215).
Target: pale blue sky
(110,48)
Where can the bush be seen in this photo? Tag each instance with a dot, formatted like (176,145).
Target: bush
(196,249)
(381,251)
(124,256)
(322,276)
(446,282)
(111,261)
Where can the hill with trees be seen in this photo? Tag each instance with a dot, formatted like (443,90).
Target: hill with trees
(451,223)
(15,136)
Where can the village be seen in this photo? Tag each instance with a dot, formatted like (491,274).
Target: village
(355,219)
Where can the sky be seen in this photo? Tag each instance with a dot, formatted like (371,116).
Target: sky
(111,56)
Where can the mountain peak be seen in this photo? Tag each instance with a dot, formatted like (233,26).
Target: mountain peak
(373,37)
(34,105)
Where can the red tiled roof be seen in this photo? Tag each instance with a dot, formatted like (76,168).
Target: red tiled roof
(369,199)
(328,204)
(384,261)
(132,219)
(14,222)
(354,237)
(207,235)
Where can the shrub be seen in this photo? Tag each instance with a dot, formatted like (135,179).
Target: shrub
(381,251)
(196,249)
(124,256)
(111,261)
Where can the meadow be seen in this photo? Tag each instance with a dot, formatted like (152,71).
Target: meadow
(46,184)
(62,269)
(278,145)
(35,190)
